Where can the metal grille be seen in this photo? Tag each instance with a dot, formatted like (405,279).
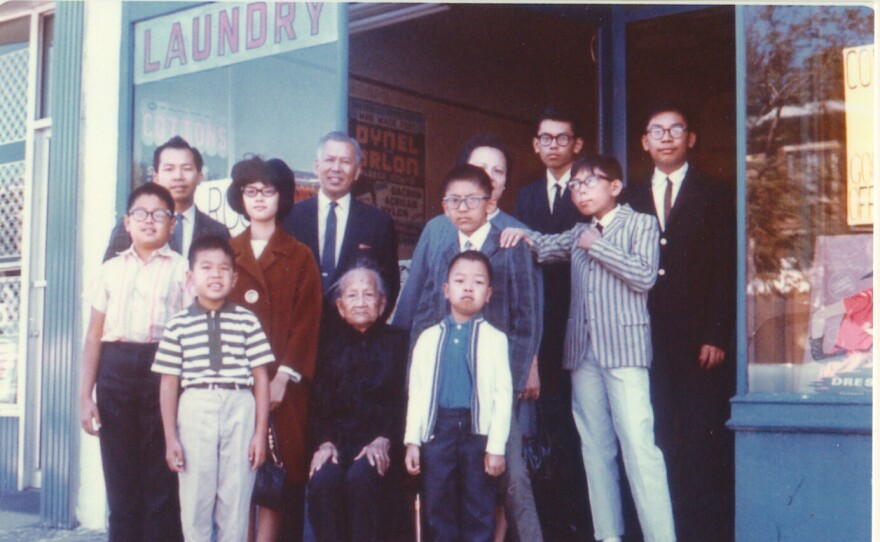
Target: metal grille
(10,289)
(13,95)
(11,205)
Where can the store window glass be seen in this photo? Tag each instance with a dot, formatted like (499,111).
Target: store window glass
(810,94)
(235,79)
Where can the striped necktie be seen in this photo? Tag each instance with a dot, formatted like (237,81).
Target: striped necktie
(328,255)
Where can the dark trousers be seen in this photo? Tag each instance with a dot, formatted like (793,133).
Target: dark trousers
(459,496)
(344,502)
(691,407)
(141,490)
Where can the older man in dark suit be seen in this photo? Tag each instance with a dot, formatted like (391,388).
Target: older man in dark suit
(339,228)
(692,317)
(177,166)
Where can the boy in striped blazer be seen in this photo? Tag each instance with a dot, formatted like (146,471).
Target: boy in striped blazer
(215,429)
(458,415)
(608,346)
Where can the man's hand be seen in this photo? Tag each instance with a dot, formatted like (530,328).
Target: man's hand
(412,459)
(511,236)
(174,455)
(326,452)
(533,382)
(494,464)
(277,388)
(257,450)
(376,453)
(585,241)
(710,356)
(89,417)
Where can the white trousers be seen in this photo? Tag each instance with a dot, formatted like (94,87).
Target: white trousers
(215,429)
(611,405)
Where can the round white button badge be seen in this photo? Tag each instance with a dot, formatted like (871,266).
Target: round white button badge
(251,296)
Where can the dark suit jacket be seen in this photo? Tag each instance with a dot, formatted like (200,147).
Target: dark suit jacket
(369,231)
(203,225)
(693,301)
(533,209)
(513,308)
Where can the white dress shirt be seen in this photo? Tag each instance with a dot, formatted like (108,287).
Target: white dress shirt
(477,238)
(342,209)
(605,220)
(553,182)
(658,187)
(189,223)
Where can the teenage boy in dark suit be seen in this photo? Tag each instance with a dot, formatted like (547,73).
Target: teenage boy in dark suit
(545,206)
(692,315)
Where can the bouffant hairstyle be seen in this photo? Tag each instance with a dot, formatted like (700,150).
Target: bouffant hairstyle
(483,140)
(254,169)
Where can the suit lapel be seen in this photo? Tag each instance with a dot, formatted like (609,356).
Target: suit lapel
(685,194)
(349,243)
(490,245)
(620,218)
(310,213)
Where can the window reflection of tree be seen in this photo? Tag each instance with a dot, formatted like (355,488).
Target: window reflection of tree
(794,100)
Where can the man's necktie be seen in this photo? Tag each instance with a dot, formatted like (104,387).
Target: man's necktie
(599,228)
(178,232)
(667,203)
(328,255)
(557,200)
(468,245)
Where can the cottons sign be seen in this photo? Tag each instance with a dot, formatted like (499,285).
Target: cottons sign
(220,34)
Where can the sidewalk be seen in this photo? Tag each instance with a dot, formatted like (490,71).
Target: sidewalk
(20,522)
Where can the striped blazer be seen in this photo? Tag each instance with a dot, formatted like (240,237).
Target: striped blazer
(493,392)
(609,287)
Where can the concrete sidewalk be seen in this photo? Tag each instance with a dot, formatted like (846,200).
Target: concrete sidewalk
(20,521)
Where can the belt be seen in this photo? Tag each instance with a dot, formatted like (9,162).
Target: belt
(218,386)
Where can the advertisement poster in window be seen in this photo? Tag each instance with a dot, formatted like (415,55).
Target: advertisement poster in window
(393,168)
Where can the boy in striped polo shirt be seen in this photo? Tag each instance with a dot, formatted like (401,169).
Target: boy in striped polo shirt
(215,429)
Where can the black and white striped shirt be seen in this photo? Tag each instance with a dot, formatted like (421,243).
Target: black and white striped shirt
(222,346)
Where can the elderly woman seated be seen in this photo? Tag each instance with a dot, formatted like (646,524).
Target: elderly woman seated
(357,413)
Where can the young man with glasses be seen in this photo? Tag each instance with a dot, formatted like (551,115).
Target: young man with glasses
(545,206)
(177,166)
(692,315)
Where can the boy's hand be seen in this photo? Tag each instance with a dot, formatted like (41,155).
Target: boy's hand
(412,459)
(174,455)
(377,454)
(257,450)
(511,236)
(277,388)
(586,239)
(89,417)
(494,464)
(326,452)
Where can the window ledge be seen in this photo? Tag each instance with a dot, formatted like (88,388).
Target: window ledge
(777,412)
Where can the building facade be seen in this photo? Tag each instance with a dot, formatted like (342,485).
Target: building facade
(784,102)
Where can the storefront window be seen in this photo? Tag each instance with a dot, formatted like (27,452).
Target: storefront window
(810,99)
(236,79)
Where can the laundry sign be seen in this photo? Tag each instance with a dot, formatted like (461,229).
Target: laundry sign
(220,34)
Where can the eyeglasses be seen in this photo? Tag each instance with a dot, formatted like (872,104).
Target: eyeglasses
(657,132)
(589,182)
(252,191)
(562,139)
(159,215)
(470,202)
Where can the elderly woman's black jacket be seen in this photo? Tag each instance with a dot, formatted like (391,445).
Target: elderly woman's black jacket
(359,391)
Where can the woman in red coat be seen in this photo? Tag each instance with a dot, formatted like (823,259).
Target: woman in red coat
(279,281)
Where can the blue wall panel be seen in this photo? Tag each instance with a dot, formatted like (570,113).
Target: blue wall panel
(803,487)
(8,454)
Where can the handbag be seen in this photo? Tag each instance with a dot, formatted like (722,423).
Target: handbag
(269,485)
(537,446)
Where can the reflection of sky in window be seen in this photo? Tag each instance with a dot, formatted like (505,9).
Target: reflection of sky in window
(792,24)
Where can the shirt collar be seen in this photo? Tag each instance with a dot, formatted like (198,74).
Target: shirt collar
(553,181)
(452,324)
(197,309)
(163,252)
(344,202)
(677,176)
(477,238)
(189,215)
(609,216)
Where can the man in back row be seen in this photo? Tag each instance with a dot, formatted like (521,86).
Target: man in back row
(177,166)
